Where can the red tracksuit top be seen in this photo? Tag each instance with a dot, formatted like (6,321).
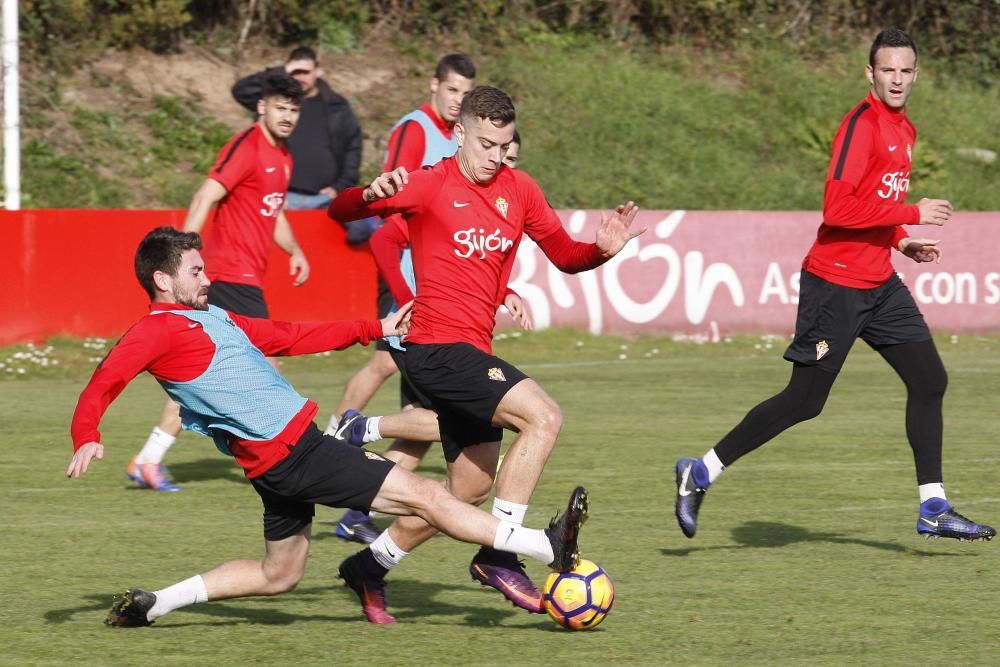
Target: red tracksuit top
(464,238)
(864,204)
(171,349)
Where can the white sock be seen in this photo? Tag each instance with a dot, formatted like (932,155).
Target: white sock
(714,465)
(505,510)
(156,447)
(530,542)
(371,429)
(331,426)
(184,593)
(387,553)
(928,491)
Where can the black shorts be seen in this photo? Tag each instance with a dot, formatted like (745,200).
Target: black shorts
(831,317)
(383,304)
(318,470)
(464,385)
(240,299)
(408,394)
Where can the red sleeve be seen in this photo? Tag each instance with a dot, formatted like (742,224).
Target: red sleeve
(350,204)
(386,245)
(237,160)
(281,339)
(406,147)
(898,236)
(841,205)
(568,255)
(138,349)
(544,227)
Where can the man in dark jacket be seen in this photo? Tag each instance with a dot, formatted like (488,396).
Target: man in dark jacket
(326,144)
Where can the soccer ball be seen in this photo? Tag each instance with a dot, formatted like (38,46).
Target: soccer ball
(581,598)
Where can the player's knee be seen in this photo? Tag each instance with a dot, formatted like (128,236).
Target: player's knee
(282,580)
(474,492)
(935,385)
(546,420)
(810,408)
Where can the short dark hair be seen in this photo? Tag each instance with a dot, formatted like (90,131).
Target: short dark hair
(303,53)
(517,137)
(161,250)
(891,38)
(282,85)
(490,103)
(459,63)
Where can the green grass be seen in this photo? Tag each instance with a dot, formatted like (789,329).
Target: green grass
(737,128)
(806,553)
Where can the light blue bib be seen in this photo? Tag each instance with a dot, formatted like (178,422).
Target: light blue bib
(239,393)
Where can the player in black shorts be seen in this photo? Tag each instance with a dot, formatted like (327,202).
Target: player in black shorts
(266,426)
(849,290)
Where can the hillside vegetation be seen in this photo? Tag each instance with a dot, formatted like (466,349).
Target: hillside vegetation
(731,108)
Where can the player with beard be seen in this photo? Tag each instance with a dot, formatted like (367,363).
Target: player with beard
(247,185)
(849,290)
(466,217)
(212,362)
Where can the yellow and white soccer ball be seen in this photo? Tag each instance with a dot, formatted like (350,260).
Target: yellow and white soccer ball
(581,598)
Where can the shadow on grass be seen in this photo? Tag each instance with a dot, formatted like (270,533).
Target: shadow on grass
(407,601)
(770,535)
(204,470)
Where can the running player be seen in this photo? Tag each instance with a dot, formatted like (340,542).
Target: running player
(466,217)
(248,183)
(849,290)
(213,364)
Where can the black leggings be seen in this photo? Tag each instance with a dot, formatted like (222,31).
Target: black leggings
(917,364)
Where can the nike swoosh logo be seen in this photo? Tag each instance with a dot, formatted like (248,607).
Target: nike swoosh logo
(511,513)
(682,489)
(458,205)
(892,148)
(270,169)
(347,529)
(192,325)
(391,555)
(509,535)
(932,524)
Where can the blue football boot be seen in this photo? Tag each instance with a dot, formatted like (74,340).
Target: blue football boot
(938,519)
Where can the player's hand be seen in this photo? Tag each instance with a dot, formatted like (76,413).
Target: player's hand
(387,184)
(298,267)
(398,323)
(934,211)
(615,230)
(518,310)
(921,250)
(81,459)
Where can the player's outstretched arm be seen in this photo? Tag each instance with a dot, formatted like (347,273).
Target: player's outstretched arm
(82,458)
(616,229)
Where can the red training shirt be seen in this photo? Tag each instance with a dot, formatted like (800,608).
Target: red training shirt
(170,348)
(464,237)
(255,174)
(864,204)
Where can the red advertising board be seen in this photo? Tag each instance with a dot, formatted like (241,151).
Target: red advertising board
(712,273)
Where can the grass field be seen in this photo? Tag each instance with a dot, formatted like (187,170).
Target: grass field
(806,553)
